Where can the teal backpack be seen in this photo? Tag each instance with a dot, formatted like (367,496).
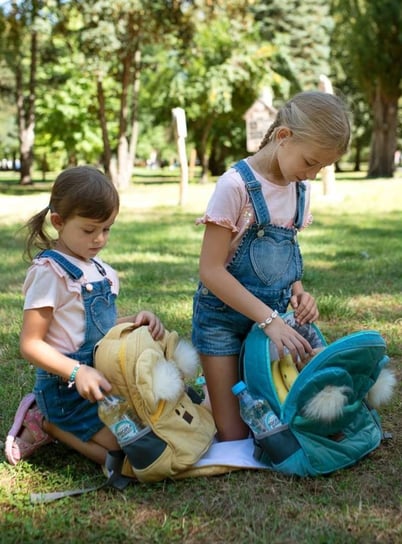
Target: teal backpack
(340,380)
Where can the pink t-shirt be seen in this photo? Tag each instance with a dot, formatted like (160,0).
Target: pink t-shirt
(230,205)
(48,285)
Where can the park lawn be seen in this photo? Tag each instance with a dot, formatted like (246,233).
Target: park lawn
(352,256)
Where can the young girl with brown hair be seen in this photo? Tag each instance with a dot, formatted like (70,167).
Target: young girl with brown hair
(69,306)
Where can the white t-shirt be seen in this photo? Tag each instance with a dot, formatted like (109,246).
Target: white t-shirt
(48,285)
(230,205)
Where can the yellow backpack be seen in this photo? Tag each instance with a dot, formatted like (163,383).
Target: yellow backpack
(151,376)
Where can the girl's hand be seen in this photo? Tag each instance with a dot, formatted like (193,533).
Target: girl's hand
(91,384)
(145,317)
(155,325)
(305,307)
(284,336)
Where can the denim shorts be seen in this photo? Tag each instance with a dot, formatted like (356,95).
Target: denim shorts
(65,408)
(219,330)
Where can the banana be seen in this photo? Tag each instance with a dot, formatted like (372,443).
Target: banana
(288,370)
(281,390)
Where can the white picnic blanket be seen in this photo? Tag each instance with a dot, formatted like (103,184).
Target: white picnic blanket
(237,453)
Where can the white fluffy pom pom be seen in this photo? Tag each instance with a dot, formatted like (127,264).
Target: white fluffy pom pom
(383,388)
(186,358)
(328,404)
(167,381)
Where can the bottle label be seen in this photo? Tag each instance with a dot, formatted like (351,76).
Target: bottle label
(271,420)
(125,431)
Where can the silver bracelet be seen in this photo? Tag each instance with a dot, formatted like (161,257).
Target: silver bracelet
(269,320)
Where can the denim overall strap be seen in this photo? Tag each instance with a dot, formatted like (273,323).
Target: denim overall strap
(98,301)
(253,187)
(301,199)
(260,209)
(74,272)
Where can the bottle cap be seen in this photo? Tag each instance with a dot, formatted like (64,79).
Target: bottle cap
(238,388)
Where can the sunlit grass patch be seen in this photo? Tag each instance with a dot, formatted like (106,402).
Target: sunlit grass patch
(352,255)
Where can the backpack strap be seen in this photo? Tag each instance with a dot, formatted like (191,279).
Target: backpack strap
(113,466)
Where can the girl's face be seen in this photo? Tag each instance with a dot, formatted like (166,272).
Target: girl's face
(298,161)
(81,237)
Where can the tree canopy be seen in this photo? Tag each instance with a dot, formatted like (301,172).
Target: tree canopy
(369,34)
(90,80)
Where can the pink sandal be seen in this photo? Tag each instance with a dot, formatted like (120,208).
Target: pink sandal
(28,416)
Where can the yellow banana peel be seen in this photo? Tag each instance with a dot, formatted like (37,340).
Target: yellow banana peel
(280,387)
(288,370)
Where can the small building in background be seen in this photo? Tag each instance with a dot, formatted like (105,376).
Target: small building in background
(259,117)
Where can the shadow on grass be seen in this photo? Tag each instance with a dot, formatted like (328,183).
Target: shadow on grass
(368,253)
(357,259)
(13,187)
(155,253)
(157,261)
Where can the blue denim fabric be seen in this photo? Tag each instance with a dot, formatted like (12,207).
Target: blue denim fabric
(267,262)
(59,404)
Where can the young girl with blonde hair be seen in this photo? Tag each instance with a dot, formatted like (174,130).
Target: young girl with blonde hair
(250,265)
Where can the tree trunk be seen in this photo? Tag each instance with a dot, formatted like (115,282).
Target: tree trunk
(122,162)
(132,150)
(384,140)
(217,158)
(122,149)
(107,153)
(202,150)
(358,154)
(26,114)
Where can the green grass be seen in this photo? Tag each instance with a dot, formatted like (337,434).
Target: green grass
(352,256)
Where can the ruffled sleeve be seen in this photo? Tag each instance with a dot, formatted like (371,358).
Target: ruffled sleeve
(221,221)
(42,284)
(226,203)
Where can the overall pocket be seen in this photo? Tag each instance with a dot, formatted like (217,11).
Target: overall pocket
(271,260)
(103,312)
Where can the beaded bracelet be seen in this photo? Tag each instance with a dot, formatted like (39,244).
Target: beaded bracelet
(269,320)
(71,379)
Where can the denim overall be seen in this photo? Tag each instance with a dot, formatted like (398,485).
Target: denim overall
(267,262)
(60,404)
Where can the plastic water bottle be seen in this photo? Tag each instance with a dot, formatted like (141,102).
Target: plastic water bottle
(273,352)
(256,413)
(274,355)
(116,413)
(275,441)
